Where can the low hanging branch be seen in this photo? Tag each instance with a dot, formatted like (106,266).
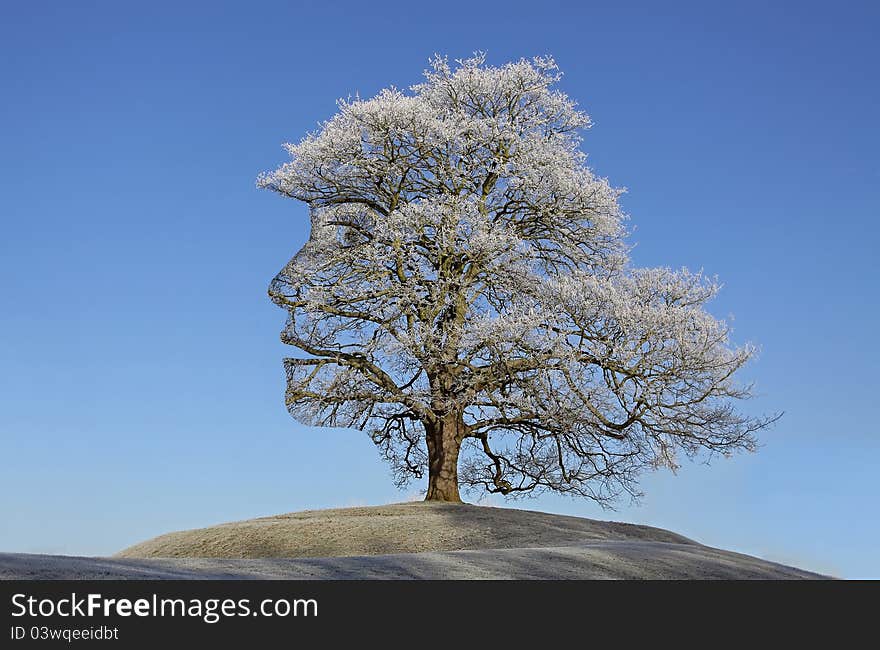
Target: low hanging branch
(466,297)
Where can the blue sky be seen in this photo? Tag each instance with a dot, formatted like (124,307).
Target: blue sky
(141,385)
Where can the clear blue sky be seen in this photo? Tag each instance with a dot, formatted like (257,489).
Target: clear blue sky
(141,385)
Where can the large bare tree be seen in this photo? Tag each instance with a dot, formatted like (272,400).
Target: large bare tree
(465,297)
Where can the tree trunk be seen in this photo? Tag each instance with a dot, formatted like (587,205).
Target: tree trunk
(444,438)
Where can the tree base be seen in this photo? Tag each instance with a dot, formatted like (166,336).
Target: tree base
(444,493)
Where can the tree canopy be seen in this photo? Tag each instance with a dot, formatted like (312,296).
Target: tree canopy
(466,297)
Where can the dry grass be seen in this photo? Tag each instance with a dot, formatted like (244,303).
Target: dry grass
(398,528)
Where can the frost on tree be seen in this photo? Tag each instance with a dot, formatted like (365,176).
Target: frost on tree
(465,297)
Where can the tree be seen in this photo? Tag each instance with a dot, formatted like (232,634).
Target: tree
(465,297)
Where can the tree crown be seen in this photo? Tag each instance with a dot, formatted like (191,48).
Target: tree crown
(465,263)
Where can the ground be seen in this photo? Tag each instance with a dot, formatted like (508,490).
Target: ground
(411,540)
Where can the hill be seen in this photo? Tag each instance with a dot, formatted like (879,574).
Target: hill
(399,528)
(409,541)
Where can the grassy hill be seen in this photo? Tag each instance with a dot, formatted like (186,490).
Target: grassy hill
(399,528)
